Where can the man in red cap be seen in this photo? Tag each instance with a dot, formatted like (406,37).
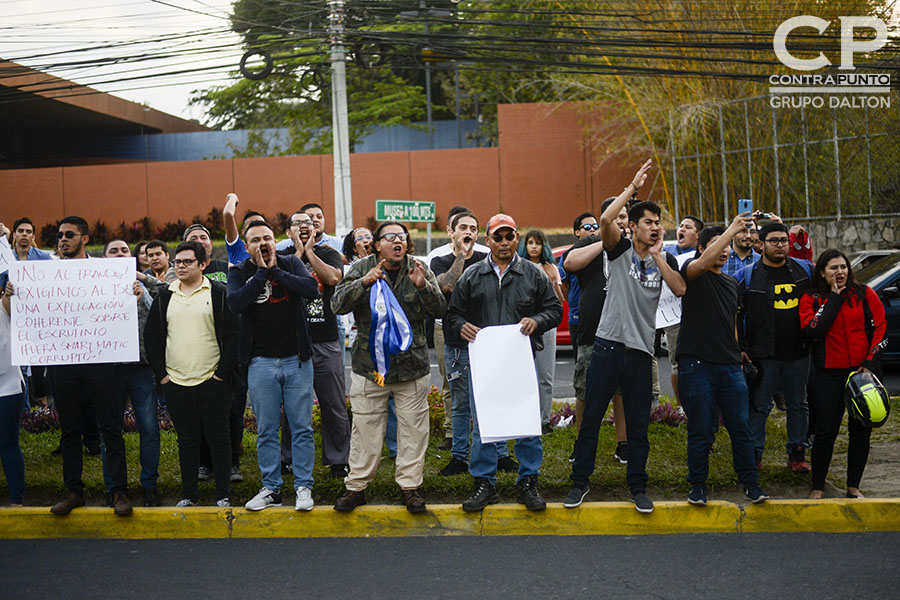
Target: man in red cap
(524,296)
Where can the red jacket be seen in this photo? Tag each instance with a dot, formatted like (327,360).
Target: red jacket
(836,323)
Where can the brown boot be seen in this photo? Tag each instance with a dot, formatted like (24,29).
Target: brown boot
(413,501)
(350,500)
(121,504)
(65,506)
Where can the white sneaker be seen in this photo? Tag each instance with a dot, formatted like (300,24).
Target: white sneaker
(264,499)
(304,499)
(223,503)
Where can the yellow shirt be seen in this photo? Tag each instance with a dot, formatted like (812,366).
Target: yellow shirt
(192,353)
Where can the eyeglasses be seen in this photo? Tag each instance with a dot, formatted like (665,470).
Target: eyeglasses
(66,234)
(400,237)
(184,262)
(299,223)
(499,238)
(778,241)
(591,226)
(363,238)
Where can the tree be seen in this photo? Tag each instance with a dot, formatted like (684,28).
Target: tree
(385,81)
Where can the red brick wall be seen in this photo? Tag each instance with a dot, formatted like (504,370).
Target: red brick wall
(541,174)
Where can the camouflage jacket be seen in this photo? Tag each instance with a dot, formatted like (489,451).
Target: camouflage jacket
(351,295)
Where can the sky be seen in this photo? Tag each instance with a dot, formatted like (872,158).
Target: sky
(51,35)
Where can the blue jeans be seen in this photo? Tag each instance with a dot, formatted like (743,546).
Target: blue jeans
(457,365)
(707,389)
(273,382)
(390,430)
(11,408)
(483,462)
(791,377)
(457,360)
(612,366)
(136,381)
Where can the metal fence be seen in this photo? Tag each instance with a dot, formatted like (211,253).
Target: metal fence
(800,163)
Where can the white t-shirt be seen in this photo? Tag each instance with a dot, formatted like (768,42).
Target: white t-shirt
(448,248)
(10,375)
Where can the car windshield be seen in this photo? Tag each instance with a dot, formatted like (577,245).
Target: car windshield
(875,272)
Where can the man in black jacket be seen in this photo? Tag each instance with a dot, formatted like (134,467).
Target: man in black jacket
(503,290)
(191,343)
(267,292)
(771,338)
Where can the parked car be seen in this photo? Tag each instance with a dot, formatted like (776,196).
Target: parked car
(861,260)
(562,331)
(884,277)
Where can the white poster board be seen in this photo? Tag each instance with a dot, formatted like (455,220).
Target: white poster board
(74,312)
(504,384)
(6,254)
(668,311)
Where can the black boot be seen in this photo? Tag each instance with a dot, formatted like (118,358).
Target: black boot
(483,494)
(528,494)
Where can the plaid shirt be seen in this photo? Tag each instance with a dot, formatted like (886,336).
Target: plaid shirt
(735,263)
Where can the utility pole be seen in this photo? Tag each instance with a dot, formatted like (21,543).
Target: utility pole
(424,11)
(343,198)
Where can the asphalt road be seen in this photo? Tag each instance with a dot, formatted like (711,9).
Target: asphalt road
(675,567)
(565,365)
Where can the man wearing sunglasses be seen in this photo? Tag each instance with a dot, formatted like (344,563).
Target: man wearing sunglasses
(503,289)
(76,385)
(769,328)
(419,297)
(585,225)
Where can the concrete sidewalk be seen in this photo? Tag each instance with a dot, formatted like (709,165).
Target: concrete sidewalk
(591,518)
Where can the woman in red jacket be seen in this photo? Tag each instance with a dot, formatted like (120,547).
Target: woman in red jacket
(845,321)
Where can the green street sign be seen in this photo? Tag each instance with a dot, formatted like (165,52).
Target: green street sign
(404,210)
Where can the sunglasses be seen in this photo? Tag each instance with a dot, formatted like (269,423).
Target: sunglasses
(400,237)
(591,227)
(184,262)
(66,234)
(499,238)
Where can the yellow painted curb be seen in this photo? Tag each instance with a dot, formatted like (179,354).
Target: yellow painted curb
(829,515)
(591,518)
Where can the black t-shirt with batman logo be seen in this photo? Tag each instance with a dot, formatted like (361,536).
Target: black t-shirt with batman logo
(788,338)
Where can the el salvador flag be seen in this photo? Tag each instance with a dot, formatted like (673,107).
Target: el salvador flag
(390,332)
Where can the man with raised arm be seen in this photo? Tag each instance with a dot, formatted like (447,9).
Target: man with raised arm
(623,349)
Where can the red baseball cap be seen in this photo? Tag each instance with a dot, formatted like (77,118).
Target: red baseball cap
(500,221)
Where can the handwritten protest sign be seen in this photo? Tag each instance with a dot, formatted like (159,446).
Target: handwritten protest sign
(6,254)
(668,311)
(73,312)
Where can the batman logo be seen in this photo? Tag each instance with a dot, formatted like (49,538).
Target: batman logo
(786,292)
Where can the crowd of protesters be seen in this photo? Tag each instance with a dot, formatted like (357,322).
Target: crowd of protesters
(268,327)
